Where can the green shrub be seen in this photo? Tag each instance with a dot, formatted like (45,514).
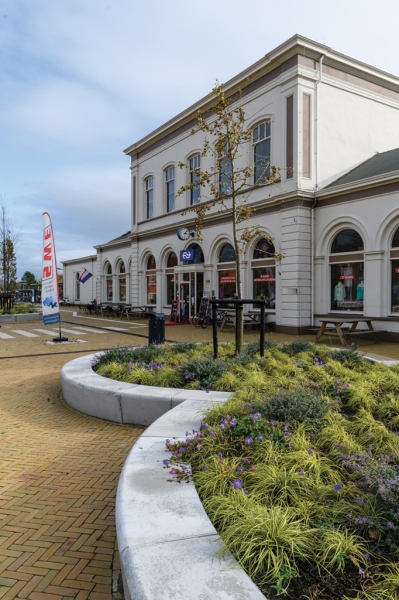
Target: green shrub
(301,405)
(204,371)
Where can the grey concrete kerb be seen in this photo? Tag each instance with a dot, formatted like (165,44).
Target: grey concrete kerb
(166,541)
(21,318)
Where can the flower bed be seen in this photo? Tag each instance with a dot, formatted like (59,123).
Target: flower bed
(299,471)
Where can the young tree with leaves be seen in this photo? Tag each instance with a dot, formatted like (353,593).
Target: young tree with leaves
(229,181)
(8,262)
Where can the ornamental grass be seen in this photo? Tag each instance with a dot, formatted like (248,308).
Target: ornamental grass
(299,469)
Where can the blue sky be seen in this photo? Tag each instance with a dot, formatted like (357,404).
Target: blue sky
(81,80)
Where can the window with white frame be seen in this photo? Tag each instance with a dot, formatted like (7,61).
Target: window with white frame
(261,139)
(347,271)
(122,282)
(149,196)
(225,171)
(195,164)
(170,189)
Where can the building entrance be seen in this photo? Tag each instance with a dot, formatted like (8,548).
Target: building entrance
(189,291)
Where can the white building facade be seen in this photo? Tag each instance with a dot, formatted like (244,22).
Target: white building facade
(331,124)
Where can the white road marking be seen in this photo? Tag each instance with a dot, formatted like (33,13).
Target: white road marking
(87,329)
(116,328)
(5,336)
(69,331)
(45,332)
(25,333)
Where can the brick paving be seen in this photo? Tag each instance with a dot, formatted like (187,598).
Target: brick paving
(59,468)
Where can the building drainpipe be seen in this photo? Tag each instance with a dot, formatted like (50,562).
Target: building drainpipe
(316,183)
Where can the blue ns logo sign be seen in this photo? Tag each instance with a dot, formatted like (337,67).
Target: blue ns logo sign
(186,255)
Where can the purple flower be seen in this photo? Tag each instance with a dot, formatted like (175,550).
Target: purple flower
(251,470)
(211,433)
(247,461)
(255,417)
(361,572)
(220,454)
(173,472)
(233,422)
(198,446)
(390,525)
(206,468)
(237,484)
(302,473)
(310,451)
(182,450)
(337,487)
(360,500)
(248,441)
(166,462)
(245,492)
(240,469)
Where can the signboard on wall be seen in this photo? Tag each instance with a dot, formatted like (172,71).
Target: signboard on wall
(186,255)
(204,307)
(230,279)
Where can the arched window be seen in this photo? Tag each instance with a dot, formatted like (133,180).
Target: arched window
(227,254)
(198,255)
(261,138)
(264,249)
(122,282)
(109,294)
(395,273)
(347,240)
(264,273)
(227,277)
(151,281)
(77,286)
(170,277)
(347,271)
(172,260)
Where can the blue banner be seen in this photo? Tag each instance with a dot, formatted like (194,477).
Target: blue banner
(186,255)
(51,319)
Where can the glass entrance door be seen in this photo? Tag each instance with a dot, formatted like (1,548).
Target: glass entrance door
(190,292)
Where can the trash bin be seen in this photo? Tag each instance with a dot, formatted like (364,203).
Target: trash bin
(156,328)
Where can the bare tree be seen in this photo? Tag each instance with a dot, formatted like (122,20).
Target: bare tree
(9,238)
(230,180)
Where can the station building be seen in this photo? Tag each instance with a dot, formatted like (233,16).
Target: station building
(330,123)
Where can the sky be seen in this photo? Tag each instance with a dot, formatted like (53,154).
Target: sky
(81,80)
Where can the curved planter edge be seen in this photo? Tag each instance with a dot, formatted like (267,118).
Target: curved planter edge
(166,541)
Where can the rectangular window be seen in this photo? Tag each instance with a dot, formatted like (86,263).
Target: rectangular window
(347,286)
(225,172)
(109,290)
(170,288)
(77,290)
(149,192)
(227,284)
(290,137)
(264,280)
(170,189)
(122,290)
(195,163)
(395,286)
(152,289)
(306,136)
(261,141)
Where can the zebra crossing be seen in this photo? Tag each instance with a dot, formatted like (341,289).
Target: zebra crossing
(36,332)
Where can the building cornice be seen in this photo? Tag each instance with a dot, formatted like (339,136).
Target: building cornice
(297,44)
(358,186)
(77,260)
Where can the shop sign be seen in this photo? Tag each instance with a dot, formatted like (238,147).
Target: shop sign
(396,270)
(347,277)
(227,279)
(186,255)
(264,278)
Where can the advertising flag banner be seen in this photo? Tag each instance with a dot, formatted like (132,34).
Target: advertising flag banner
(50,291)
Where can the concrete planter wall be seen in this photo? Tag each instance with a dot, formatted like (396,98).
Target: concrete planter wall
(21,318)
(167,543)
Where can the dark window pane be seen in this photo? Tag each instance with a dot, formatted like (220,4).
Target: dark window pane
(198,255)
(152,289)
(395,241)
(151,264)
(170,288)
(149,204)
(170,193)
(122,268)
(225,173)
(227,284)
(227,254)
(395,286)
(264,249)
(172,260)
(347,286)
(265,285)
(347,240)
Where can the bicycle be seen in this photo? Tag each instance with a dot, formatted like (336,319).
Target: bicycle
(221,315)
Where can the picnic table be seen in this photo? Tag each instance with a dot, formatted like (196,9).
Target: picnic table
(136,311)
(250,319)
(349,331)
